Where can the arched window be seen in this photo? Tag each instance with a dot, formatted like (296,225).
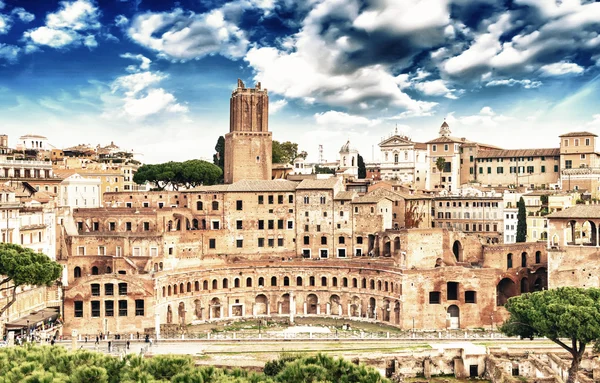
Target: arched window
(94,270)
(108,270)
(181,290)
(509,261)
(196,286)
(199,205)
(205,285)
(261,281)
(345,282)
(323,281)
(299,281)
(334,281)
(169,290)
(164,290)
(214,284)
(286,281)
(189,287)
(273,281)
(355,283)
(174,289)
(396,157)
(372,284)
(405,155)
(524,259)
(236,283)
(352,161)
(77,272)
(311,281)
(225,283)
(248,282)
(364,283)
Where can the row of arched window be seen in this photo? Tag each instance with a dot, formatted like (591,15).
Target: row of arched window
(509,259)
(215,284)
(95,271)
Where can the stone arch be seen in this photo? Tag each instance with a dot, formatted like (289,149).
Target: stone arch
(457,250)
(311,281)
(286,281)
(205,285)
(364,283)
(453,315)
(169,314)
(396,312)
(335,306)
(175,290)
(95,270)
(540,281)
(372,284)
(77,272)
(181,313)
(196,286)
(379,285)
(355,283)
(505,289)
(285,304)
(355,307)
(334,281)
(386,310)
(344,282)
(215,308)
(195,224)
(509,260)
(260,304)
(312,303)
(181,290)
(197,309)
(396,245)
(387,246)
(524,285)
(372,307)
(323,281)
(538,257)
(386,286)
(169,290)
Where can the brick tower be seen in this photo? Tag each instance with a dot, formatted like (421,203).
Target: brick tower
(248,144)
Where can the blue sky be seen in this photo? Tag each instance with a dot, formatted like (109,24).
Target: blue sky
(156,76)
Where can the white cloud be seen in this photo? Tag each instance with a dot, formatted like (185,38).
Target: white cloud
(55,38)
(121,21)
(276,106)
(595,123)
(138,96)
(185,35)
(5,24)
(526,83)
(23,15)
(9,53)
(435,88)
(485,118)
(341,119)
(561,68)
(404,15)
(144,61)
(2,5)
(73,24)
(78,15)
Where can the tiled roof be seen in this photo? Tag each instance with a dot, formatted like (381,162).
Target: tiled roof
(328,183)
(518,153)
(578,134)
(369,199)
(262,185)
(446,139)
(578,211)
(345,195)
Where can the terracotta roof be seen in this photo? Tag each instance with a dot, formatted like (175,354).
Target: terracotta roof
(369,199)
(447,139)
(420,145)
(578,134)
(382,192)
(518,153)
(260,185)
(328,183)
(578,211)
(345,195)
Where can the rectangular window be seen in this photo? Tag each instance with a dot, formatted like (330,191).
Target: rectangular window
(239,243)
(530,169)
(271,242)
(434,297)
(587,142)
(109,289)
(306,240)
(239,224)
(95,309)
(291,198)
(146,226)
(212,243)
(324,253)
(280,242)
(306,253)
(139,307)
(123,308)
(80,250)
(306,200)
(109,308)
(78,309)
(452,291)
(470,297)
(323,200)
(480,170)
(489,170)
(323,240)
(290,224)
(271,223)
(128,226)
(111,226)
(582,156)
(543,169)
(500,170)
(261,199)
(359,240)
(341,240)
(239,205)
(434,148)
(280,199)
(555,168)
(270,200)
(341,253)
(216,225)
(280,224)
(568,164)
(261,242)
(122,288)
(101,250)
(95,289)
(261,224)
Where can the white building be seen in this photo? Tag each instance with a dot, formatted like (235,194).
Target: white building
(9,215)
(404,160)
(448,148)
(33,141)
(510,215)
(302,167)
(78,192)
(349,160)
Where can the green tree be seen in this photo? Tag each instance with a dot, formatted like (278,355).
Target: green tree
(219,156)
(20,266)
(521,221)
(323,170)
(440,164)
(187,174)
(362,169)
(285,152)
(568,316)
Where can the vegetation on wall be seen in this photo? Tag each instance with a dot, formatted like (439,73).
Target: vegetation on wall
(286,152)
(55,364)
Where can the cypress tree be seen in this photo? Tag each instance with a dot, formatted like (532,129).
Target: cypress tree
(521,221)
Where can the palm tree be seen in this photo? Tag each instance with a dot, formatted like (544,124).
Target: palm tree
(440,163)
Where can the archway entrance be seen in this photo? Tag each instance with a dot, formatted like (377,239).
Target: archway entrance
(260,304)
(453,316)
(285,304)
(457,251)
(311,304)
(335,306)
(505,289)
(215,308)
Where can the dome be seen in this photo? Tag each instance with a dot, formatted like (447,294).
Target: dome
(347,148)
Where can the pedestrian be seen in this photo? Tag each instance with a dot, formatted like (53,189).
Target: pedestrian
(97,339)
(109,344)
(86,339)
(52,342)
(138,335)
(128,345)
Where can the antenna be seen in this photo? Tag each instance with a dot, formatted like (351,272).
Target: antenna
(321,154)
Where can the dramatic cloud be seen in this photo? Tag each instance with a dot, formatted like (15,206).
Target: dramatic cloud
(335,118)
(73,24)
(139,96)
(23,15)
(185,35)
(9,52)
(5,23)
(435,88)
(144,61)
(560,69)
(276,106)
(526,83)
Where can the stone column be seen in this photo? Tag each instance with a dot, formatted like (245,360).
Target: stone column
(210,313)
(349,309)
(292,307)
(305,308)
(268,308)
(279,308)
(340,312)
(328,308)
(318,309)
(222,312)
(157,325)
(254,309)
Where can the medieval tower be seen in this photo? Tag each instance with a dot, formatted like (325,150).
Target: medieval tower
(248,144)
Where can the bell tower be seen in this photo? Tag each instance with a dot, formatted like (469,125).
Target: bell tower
(249,143)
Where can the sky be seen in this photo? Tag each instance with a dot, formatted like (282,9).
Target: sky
(155,76)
